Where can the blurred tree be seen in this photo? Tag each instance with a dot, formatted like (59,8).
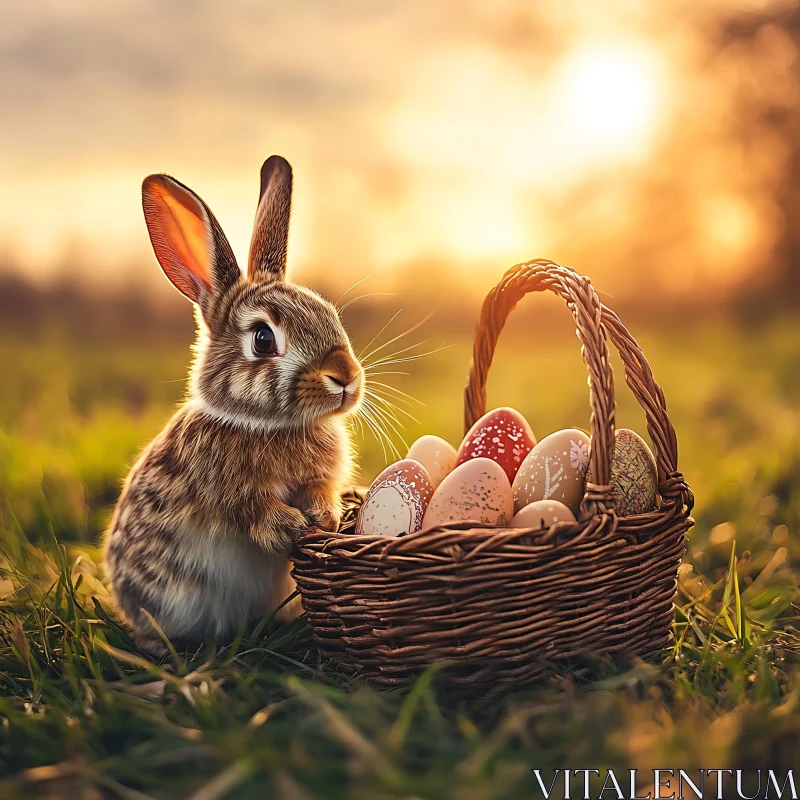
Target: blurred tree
(770,104)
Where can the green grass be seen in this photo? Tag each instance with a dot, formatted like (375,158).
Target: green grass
(82,714)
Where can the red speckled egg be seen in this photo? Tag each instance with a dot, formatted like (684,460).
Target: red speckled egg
(503,435)
(396,502)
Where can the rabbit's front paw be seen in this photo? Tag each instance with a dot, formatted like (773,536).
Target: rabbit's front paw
(154,648)
(277,530)
(300,525)
(326,518)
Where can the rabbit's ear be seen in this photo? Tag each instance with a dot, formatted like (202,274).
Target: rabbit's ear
(267,260)
(187,239)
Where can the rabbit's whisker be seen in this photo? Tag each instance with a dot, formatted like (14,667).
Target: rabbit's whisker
(357,424)
(370,426)
(403,397)
(378,417)
(380,429)
(384,402)
(414,327)
(394,410)
(388,418)
(389,404)
(414,357)
(385,359)
(350,289)
(368,418)
(391,319)
(362,296)
(379,361)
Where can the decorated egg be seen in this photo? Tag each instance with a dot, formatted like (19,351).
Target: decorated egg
(477,490)
(541,514)
(503,435)
(634,477)
(435,454)
(554,470)
(396,501)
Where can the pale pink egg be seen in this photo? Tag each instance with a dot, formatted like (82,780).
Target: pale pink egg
(503,435)
(435,454)
(541,514)
(396,502)
(477,490)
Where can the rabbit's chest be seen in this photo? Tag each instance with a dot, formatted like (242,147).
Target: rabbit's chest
(233,577)
(278,470)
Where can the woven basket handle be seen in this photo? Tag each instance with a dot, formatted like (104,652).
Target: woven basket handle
(593,320)
(640,380)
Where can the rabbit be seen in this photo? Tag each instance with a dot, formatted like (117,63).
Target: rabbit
(258,451)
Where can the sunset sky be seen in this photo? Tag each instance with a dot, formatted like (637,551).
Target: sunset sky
(476,134)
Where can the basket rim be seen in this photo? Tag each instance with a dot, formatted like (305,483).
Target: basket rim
(597,531)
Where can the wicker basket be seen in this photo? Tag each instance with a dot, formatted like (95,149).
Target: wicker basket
(502,604)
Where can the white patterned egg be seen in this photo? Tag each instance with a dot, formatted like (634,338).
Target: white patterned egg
(435,454)
(478,490)
(541,514)
(554,470)
(396,502)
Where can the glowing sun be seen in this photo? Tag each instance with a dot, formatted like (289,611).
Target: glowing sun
(611,95)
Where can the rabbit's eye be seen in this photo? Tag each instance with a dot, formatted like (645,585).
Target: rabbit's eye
(264,341)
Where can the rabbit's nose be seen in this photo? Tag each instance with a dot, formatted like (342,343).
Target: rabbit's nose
(354,384)
(335,384)
(337,381)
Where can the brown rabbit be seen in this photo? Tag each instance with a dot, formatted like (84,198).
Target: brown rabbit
(258,451)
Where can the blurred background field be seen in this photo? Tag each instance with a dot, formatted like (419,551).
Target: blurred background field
(653,147)
(81,399)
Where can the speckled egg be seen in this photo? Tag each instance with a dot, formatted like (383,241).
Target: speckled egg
(396,502)
(541,514)
(554,470)
(435,454)
(634,477)
(503,435)
(478,490)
